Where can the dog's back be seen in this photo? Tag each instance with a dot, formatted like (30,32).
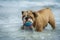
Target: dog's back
(45,16)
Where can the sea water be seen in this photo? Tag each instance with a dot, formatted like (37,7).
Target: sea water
(11,20)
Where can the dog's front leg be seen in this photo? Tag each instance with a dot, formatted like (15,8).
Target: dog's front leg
(22,27)
(39,29)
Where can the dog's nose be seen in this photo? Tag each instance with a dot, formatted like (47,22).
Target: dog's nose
(27,18)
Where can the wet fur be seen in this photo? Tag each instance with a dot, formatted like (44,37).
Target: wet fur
(45,16)
(41,18)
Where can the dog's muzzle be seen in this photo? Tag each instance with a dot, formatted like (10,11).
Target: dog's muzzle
(26,19)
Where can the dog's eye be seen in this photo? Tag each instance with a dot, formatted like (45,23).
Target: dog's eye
(23,16)
(30,17)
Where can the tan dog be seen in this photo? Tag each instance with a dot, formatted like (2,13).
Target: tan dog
(40,18)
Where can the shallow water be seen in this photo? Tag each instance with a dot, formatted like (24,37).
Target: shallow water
(11,22)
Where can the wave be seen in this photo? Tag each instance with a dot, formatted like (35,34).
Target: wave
(27,4)
(41,4)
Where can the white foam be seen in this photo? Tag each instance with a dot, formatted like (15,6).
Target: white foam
(42,37)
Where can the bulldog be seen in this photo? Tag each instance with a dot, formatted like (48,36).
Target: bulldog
(39,19)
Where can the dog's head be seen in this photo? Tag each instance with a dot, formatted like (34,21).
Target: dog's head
(28,16)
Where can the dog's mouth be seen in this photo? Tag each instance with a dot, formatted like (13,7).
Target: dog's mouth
(27,20)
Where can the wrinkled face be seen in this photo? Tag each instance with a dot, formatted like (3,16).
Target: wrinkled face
(28,16)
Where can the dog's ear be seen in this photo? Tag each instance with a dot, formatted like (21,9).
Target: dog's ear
(35,14)
(22,12)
